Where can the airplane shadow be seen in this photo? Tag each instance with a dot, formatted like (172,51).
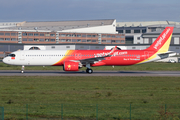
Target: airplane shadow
(69,72)
(83,73)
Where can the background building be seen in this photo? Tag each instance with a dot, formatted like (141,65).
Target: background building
(88,34)
(147,32)
(85,32)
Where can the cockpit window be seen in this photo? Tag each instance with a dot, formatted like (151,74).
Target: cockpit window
(12,55)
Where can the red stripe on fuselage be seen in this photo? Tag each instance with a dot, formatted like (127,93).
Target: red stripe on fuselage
(120,57)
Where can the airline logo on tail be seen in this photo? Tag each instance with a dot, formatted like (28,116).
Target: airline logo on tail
(159,42)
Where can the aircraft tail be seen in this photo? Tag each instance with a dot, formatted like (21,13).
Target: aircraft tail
(161,44)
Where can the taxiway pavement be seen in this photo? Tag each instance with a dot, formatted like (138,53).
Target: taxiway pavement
(83,73)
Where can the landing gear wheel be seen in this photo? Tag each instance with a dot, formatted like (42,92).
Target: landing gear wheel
(89,71)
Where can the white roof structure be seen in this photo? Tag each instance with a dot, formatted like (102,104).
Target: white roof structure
(8,24)
(82,26)
(145,23)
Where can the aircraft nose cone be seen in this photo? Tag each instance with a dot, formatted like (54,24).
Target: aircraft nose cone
(4,60)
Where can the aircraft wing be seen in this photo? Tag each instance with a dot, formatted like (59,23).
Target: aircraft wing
(91,60)
(96,58)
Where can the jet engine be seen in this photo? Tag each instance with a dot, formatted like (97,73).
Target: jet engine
(71,66)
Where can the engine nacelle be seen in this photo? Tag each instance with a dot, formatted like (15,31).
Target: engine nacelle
(71,66)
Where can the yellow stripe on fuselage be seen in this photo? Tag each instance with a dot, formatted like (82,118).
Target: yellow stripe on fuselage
(64,57)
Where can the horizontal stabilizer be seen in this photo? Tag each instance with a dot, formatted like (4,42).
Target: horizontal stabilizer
(167,54)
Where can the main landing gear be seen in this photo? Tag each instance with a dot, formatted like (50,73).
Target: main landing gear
(89,70)
(22,69)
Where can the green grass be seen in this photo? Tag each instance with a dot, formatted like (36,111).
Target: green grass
(96,90)
(82,96)
(152,66)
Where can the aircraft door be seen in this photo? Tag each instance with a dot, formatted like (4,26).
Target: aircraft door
(22,56)
(147,54)
(78,56)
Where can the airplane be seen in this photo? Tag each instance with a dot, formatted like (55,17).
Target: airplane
(73,60)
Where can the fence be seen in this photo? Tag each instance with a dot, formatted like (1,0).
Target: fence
(93,111)
(1,113)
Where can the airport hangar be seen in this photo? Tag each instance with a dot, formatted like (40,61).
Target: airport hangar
(87,34)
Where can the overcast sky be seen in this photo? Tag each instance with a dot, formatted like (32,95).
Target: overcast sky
(58,10)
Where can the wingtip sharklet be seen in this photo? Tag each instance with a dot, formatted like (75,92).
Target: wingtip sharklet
(112,51)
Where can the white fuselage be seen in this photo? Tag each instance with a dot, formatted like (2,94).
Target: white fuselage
(35,57)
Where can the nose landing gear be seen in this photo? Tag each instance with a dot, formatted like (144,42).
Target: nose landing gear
(22,69)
